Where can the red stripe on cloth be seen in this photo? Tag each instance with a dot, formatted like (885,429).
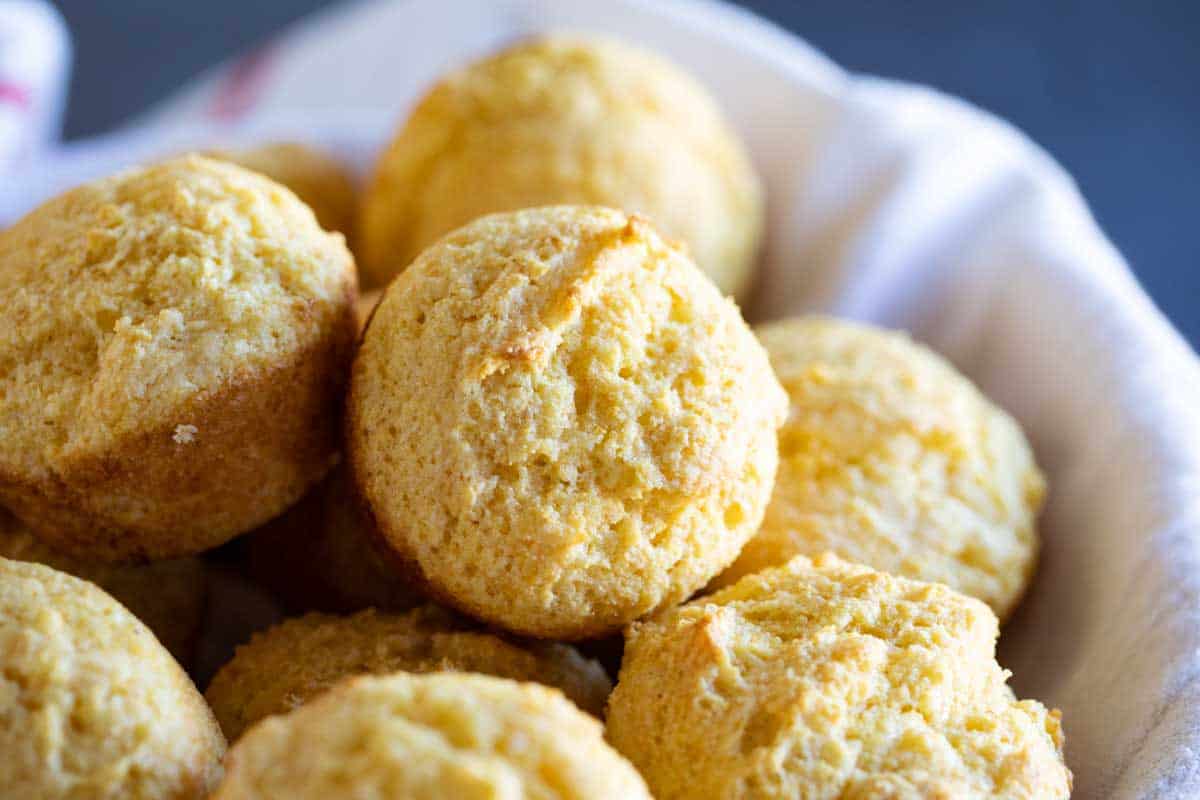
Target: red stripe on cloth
(14,94)
(242,86)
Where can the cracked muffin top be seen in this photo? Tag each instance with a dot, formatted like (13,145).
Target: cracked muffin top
(825,679)
(172,341)
(560,423)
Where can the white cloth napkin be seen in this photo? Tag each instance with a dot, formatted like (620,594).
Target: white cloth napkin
(890,203)
(35,53)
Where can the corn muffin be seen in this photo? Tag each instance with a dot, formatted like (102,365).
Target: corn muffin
(322,555)
(168,596)
(430,737)
(566,119)
(91,705)
(560,424)
(891,458)
(318,179)
(825,679)
(289,664)
(174,342)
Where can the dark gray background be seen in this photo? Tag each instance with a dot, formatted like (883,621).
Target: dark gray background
(1112,89)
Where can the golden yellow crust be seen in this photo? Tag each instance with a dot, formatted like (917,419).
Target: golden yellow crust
(430,737)
(825,679)
(560,423)
(91,706)
(168,596)
(289,664)
(565,119)
(319,180)
(891,458)
(322,554)
(172,347)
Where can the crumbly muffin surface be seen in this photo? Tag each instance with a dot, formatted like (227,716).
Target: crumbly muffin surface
(825,679)
(891,458)
(560,422)
(567,119)
(429,737)
(91,705)
(151,323)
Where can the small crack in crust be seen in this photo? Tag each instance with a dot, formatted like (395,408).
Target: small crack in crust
(825,679)
(560,422)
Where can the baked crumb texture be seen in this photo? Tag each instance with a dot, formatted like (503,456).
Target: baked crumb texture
(91,705)
(430,737)
(173,342)
(891,458)
(566,119)
(824,679)
(560,424)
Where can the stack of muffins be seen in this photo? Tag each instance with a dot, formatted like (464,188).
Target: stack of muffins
(525,446)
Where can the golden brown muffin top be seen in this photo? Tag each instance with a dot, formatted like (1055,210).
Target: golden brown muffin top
(826,679)
(91,705)
(890,457)
(561,421)
(123,299)
(566,119)
(429,737)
